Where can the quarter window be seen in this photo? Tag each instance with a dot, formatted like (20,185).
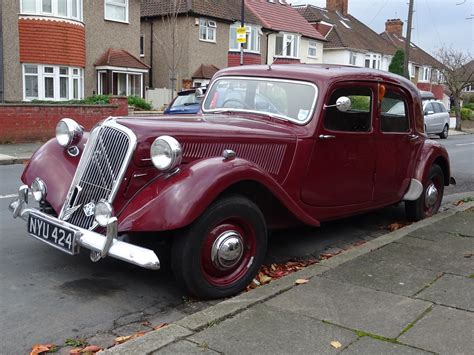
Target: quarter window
(71,9)
(207,30)
(50,82)
(116,10)
(358,118)
(394,113)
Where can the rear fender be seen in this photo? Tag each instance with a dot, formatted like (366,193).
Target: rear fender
(432,153)
(177,201)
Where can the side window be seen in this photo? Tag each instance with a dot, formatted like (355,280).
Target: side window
(437,107)
(394,116)
(428,108)
(358,118)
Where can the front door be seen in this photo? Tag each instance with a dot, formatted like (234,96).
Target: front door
(397,145)
(342,164)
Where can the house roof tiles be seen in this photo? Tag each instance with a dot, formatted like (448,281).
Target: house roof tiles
(348,32)
(205,71)
(417,55)
(120,58)
(280,16)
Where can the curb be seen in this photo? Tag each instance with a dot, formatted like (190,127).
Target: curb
(12,161)
(188,325)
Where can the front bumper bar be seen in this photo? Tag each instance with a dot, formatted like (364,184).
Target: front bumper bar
(99,245)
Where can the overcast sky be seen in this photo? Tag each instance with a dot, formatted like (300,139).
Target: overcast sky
(436,23)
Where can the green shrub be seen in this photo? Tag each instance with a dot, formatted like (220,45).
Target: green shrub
(139,102)
(467,114)
(469,105)
(96,100)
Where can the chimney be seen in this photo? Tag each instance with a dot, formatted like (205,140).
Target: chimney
(394,26)
(338,5)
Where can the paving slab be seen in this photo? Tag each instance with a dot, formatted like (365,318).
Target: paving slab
(443,330)
(451,290)
(389,276)
(424,257)
(185,347)
(264,329)
(367,345)
(461,223)
(351,306)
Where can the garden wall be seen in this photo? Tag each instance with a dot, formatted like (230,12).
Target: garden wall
(25,122)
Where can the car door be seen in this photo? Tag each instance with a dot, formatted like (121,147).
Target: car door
(397,145)
(429,117)
(341,167)
(438,119)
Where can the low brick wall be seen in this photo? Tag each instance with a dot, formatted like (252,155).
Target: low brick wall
(26,122)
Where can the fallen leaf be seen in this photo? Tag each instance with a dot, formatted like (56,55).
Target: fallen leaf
(91,349)
(41,348)
(397,225)
(123,339)
(459,203)
(160,326)
(335,344)
(301,281)
(468,255)
(75,351)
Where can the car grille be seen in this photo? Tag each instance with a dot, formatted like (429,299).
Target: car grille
(99,173)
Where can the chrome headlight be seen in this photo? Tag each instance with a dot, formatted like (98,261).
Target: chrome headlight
(103,212)
(68,132)
(166,153)
(38,189)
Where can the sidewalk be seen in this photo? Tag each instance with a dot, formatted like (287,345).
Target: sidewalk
(408,292)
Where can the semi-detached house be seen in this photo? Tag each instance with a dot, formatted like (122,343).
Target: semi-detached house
(70,49)
(207,38)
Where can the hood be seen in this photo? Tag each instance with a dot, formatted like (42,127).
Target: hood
(204,136)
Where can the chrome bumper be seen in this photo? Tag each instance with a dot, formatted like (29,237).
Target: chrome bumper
(99,245)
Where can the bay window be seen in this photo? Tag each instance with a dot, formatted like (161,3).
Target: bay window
(124,83)
(52,82)
(116,10)
(252,39)
(287,45)
(71,9)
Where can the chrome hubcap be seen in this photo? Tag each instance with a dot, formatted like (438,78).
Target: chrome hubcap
(227,250)
(431,196)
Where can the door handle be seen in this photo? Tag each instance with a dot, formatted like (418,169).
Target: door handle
(412,137)
(326,136)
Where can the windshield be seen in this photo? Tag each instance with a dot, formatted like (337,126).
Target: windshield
(188,99)
(289,100)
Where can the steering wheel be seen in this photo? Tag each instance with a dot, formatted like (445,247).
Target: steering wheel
(241,103)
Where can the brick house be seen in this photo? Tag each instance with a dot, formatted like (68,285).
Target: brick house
(50,48)
(349,41)
(208,38)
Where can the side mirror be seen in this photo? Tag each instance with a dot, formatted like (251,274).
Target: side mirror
(199,92)
(343,104)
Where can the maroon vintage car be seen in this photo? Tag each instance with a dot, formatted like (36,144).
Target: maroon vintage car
(274,147)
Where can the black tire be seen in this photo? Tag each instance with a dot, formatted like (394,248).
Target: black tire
(444,134)
(421,208)
(191,256)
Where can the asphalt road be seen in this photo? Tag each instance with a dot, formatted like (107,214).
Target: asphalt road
(48,296)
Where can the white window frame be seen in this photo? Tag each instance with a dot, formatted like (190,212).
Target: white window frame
(210,26)
(253,37)
(127,74)
(117,4)
(375,60)
(55,9)
(313,45)
(426,73)
(294,46)
(41,75)
(353,58)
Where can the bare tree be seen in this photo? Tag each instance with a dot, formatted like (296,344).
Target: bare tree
(457,75)
(172,39)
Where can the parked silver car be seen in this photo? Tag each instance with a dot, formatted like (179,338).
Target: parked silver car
(436,118)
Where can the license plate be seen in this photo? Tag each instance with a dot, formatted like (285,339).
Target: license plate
(60,237)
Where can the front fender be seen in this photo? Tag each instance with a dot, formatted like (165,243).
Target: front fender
(432,153)
(177,201)
(56,168)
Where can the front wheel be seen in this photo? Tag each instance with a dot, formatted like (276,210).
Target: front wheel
(220,253)
(444,134)
(430,200)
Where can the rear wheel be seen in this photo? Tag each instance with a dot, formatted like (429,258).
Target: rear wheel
(444,134)
(220,253)
(430,200)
